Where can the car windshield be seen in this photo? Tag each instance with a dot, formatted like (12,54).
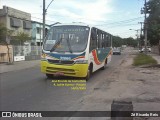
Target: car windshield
(115,49)
(67,38)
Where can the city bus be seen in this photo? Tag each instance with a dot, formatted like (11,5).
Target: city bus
(75,50)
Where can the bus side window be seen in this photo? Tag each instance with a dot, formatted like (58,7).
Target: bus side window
(93,40)
(103,41)
(107,40)
(99,39)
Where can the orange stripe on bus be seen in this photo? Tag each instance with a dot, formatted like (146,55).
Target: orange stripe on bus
(94,53)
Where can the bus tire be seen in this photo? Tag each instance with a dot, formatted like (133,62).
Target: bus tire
(89,72)
(105,64)
(49,75)
(88,75)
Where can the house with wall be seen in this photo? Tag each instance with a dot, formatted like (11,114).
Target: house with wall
(15,20)
(37,32)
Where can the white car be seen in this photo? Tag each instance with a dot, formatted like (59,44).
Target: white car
(143,50)
(117,51)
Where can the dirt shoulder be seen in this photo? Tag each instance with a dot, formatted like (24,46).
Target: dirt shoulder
(126,82)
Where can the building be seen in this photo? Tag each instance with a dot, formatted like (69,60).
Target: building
(37,32)
(15,20)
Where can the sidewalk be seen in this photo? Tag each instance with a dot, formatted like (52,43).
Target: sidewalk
(156,57)
(19,66)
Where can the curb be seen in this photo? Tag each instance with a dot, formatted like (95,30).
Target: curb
(18,66)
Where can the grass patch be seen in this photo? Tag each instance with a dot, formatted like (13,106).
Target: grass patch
(143,59)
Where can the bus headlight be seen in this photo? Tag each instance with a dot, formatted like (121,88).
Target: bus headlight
(81,61)
(43,56)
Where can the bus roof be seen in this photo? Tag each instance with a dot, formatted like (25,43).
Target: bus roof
(78,24)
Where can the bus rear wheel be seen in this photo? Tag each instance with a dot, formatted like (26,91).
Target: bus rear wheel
(105,64)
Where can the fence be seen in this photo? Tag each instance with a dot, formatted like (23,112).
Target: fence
(19,53)
(26,53)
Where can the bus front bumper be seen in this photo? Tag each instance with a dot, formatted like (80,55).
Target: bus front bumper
(75,70)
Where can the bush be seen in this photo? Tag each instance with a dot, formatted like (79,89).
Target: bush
(143,59)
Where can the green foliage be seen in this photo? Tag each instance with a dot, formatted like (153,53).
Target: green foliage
(4,32)
(117,41)
(153,21)
(21,37)
(143,59)
(130,41)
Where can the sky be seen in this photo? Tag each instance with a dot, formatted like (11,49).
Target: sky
(114,16)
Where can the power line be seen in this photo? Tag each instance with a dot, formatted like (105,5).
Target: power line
(107,24)
(42,19)
(120,22)
(32,17)
(128,20)
(117,22)
(123,32)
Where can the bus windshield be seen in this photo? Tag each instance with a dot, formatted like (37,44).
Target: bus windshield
(68,38)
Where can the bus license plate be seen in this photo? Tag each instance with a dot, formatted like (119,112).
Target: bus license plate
(59,74)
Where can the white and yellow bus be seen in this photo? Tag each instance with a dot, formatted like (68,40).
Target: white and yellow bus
(75,50)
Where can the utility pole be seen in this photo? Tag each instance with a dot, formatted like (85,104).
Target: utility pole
(44,17)
(40,35)
(145,26)
(141,35)
(137,39)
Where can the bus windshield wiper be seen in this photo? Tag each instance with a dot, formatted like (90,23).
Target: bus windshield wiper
(69,46)
(55,45)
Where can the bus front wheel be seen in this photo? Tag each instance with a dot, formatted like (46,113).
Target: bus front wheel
(49,75)
(89,72)
(88,75)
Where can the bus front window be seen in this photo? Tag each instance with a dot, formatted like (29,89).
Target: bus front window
(67,39)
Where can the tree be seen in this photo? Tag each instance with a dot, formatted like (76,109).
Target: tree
(153,8)
(4,32)
(21,37)
(130,41)
(118,41)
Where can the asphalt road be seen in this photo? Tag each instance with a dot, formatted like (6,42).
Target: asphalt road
(29,90)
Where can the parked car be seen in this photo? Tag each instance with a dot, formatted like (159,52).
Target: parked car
(117,51)
(143,50)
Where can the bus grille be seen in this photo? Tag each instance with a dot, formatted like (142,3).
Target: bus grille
(63,70)
(60,61)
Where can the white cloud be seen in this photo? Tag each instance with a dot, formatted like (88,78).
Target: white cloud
(96,12)
(86,11)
